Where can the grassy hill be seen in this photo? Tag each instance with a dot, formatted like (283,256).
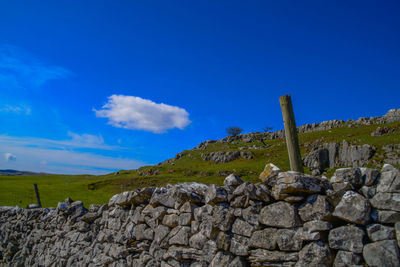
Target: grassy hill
(189,166)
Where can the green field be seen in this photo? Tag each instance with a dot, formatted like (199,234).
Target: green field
(18,190)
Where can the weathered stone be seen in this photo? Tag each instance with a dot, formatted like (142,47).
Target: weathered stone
(382,253)
(239,262)
(188,207)
(369,176)
(280,214)
(185,218)
(354,155)
(349,238)
(315,254)
(353,208)
(266,256)
(317,226)
(251,214)
(389,182)
(171,220)
(209,250)
(397,229)
(367,191)
(288,240)
(346,258)
(181,237)
(216,194)
(385,216)
(221,259)
(316,208)
(269,171)
(239,245)
(143,232)
(386,201)
(161,196)
(232,180)
(160,233)
(295,183)
(379,232)
(222,216)
(242,227)
(223,241)
(197,240)
(351,176)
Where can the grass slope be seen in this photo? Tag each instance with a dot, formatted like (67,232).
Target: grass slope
(18,190)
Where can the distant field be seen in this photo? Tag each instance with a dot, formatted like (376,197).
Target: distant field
(18,190)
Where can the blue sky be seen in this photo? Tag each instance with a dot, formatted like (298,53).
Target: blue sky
(97,86)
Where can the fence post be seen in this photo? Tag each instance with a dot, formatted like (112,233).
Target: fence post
(292,140)
(37,194)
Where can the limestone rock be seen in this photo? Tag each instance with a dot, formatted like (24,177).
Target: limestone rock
(382,253)
(242,227)
(353,208)
(379,232)
(386,201)
(269,171)
(280,214)
(216,194)
(232,180)
(316,208)
(389,182)
(295,183)
(315,254)
(349,238)
(264,239)
(346,258)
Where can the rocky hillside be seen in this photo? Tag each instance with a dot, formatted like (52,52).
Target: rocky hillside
(289,219)
(325,146)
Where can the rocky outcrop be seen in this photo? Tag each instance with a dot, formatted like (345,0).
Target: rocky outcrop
(289,219)
(331,155)
(225,156)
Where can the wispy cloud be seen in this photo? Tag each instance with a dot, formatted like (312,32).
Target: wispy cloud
(19,69)
(19,109)
(136,113)
(63,156)
(9,157)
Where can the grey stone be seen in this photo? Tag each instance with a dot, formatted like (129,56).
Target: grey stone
(346,258)
(288,240)
(171,220)
(181,237)
(316,208)
(385,216)
(295,183)
(369,176)
(216,194)
(143,232)
(382,253)
(386,201)
(397,229)
(353,208)
(367,191)
(315,254)
(317,226)
(264,239)
(232,180)
(349,238)
(389,182)
(379,232)
(238,262)
(350,176)
(185,218)
(242,227)
(269,172)
(197,240)
(221,259)
(239,245)
(223,241)
(280,214)
(266,256)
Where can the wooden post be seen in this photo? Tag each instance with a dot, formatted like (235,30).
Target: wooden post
(292,140)
(37,194)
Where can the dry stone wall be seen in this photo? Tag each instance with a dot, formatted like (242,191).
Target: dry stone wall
(289,219)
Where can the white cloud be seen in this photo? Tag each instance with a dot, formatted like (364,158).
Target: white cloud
(21,109)
(65,157)
(131,112)
(10,157)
